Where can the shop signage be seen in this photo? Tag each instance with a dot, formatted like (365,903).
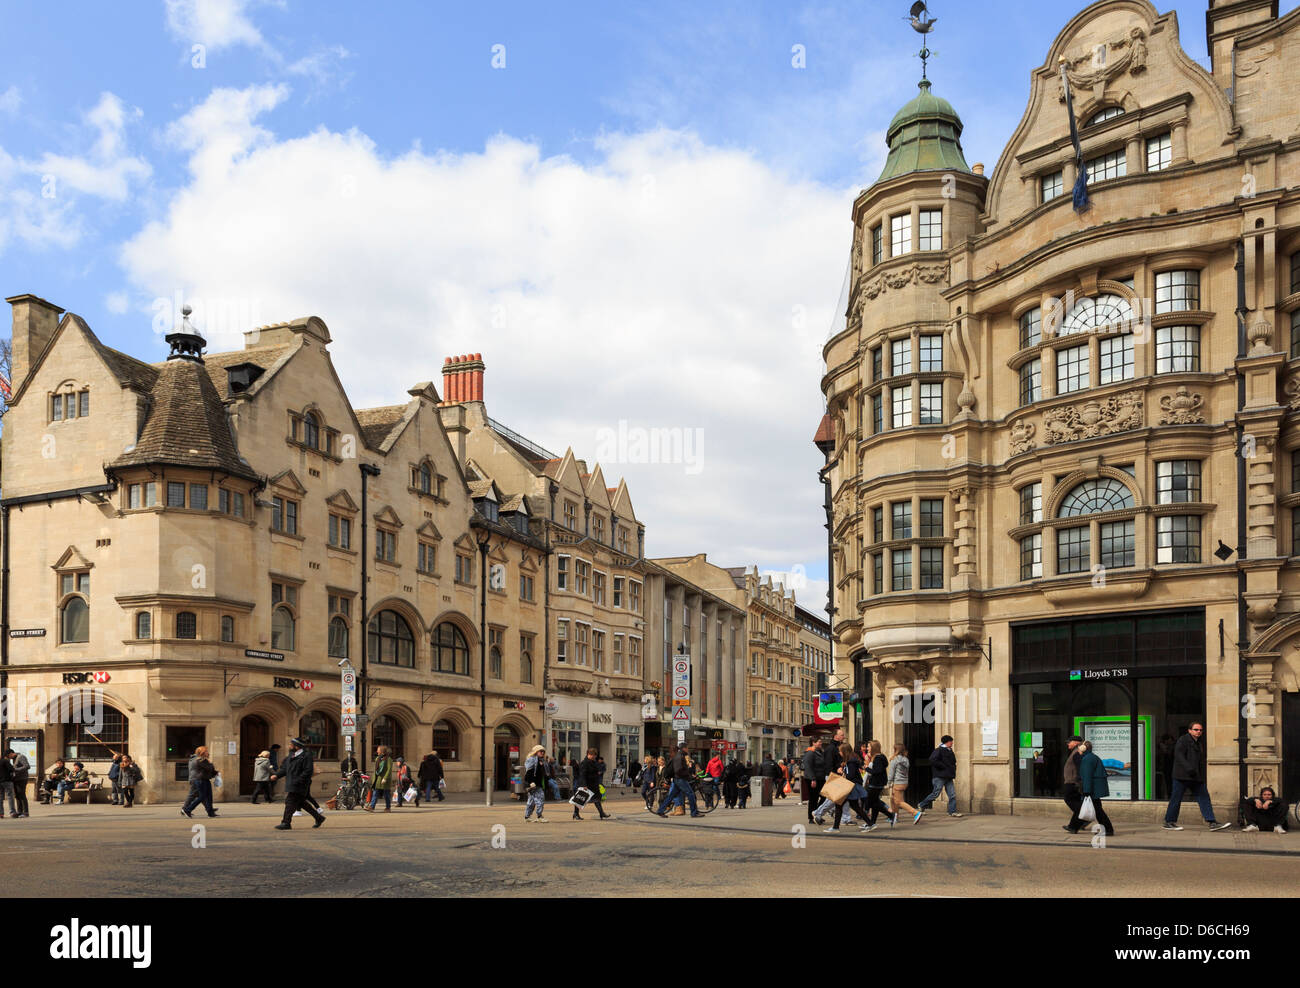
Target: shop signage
(27,633)
(768,730)
(257,653)
(717,734)
(552,707)
(286,683)
(681,680)
(1113,673)
(723,745)
(74,678)
(513,705)
(600,717)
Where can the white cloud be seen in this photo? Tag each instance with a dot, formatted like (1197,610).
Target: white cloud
(10,100)
(666,284)
(117,302)
(322,67)
(214,23)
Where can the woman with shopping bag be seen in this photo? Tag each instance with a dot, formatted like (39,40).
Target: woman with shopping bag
(403,784)
(844,788)
(1092,781)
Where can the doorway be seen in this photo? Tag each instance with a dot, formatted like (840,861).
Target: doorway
(507,760)
(918,736)
(254,738)
(1290,747)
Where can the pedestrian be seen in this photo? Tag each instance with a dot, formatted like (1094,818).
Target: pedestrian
(381,780)
(437,774)
(680,770)
(346,767)
(851,769)
(943,763)
(402,782)
(7,788)
(649,777)
(714,770)
(1092,782)
(275,770)
(22,769)
(535,782)
(1264,811)
(201,774)
(1070,790)
(811,765)
(830,764)
(877,780)
(552,782)
(588,774)
(130,777)
(262,776)
(1189,775)
(600,768)
(634,772)
(297,771)
(899,769)
(424,779)
(783,780)
(114,773)
(742,784)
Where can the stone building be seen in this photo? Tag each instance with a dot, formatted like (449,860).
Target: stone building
(817,671)
(1065,450)
(188,540)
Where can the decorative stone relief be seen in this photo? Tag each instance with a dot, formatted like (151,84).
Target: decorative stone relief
(1099,66)
(925,274)
(1118,413)
(1180,408)
(1022,437)
(1292,389)
(964,530)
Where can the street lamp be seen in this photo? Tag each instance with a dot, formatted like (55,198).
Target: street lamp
(484,542)
(368,470)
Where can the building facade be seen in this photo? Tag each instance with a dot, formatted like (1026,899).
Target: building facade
(817,670)
(1064,448)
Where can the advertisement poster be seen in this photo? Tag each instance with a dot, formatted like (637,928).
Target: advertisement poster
(1111,742)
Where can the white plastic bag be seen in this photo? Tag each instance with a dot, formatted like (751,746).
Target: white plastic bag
(216,780)
(410,794)
(1087,812)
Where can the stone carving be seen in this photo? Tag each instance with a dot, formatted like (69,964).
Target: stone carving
(1100,65)
(1118,413)
(927,274)
(1180,408)
(1022,437)
(1292,389)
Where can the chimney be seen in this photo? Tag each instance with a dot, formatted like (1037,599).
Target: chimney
(462,379)
(35,321)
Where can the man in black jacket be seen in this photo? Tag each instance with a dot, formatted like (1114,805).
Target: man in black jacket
(1189,774)
(812,777)
(943,765)
(680,770)
(297,770)
(588,775)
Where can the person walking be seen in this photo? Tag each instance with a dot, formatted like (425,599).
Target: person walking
(812,779)
(1070,790)
(714,770)
(1092,782)
(742,784)
(899,771)
(943,763)
(679,769)
(130,776)
(552,782)
(381,780)
(201,774)
(297,771)
(424,777)
(402,782)
(877,780)
(851,769)
(7,788)
(588,775)
(437,774)
(535,782)
(262,776)
(649,776)
(22,771)
(114,773)
(275,770)
(1189,776)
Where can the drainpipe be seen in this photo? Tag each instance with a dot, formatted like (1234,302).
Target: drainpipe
(1242,627)
(484,543)
(367,470)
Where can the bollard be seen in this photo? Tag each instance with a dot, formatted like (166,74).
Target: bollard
(487,792)
(766,798)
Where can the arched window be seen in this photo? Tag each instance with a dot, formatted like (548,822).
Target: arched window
(446,741)
(525,667)
(311,430)
(282,629)
(187,625)
(321,734)
(1106,113)
(227,628)
(426,479)
(388,732)
(1103,312)
(391,640)
(99,740)
(143,625)
(76,620)
(338,647)
(451,651)
(1094,496)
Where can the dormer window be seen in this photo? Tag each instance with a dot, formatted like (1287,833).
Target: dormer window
(1104,114)
(309,430)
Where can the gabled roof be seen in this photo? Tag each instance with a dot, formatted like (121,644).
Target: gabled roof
(130,373)
(378,423)
(187,424)
(269,358)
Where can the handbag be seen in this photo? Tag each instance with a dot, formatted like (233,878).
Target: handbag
(837,789)
(581,796)
(1087,812)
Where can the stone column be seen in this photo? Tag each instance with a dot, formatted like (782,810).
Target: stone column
(964,543)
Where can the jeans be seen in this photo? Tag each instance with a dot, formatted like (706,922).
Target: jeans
(388,798)
(820,813)
(536,800)
(7,793)
(683,788)
(117,792)
(941,785)
(1073,799)
(554,788)
(1176,800)
(20,790)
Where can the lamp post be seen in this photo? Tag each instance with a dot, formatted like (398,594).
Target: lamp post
(484,542)
(368,470)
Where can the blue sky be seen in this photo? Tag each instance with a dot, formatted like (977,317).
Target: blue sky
(633,198)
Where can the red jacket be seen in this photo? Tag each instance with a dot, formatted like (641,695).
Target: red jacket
(714,768)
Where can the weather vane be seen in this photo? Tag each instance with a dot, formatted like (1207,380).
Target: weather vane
(922,24)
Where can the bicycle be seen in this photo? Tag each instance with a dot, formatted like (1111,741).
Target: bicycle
(353,791)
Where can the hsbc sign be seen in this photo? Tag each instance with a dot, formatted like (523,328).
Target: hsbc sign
(76,678)
(286,683)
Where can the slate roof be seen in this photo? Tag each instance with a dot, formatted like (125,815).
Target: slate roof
(377,423)
(130,372)
(265,357)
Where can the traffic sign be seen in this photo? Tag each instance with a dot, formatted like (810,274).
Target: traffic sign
(350,680)
(349,724)
(681,681)
(681,718)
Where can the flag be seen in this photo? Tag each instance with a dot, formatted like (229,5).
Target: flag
(830,708)
(1081,202)
(5,388)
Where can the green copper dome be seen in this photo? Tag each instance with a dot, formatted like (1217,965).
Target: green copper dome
(925,135)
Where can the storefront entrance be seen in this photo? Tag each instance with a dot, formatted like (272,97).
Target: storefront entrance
(254,738)
(1290,780)
(507,761)
(918,736)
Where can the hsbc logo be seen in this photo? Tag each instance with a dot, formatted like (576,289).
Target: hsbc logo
(286,683)
(77,678)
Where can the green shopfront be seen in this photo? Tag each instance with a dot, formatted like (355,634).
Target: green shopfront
(1131,683)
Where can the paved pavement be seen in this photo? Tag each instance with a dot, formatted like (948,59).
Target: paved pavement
(462,848)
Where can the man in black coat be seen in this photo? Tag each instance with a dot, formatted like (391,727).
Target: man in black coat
(588,775)
(1189,775)
(943,766)
(812,777)
(679,768)
(297,770)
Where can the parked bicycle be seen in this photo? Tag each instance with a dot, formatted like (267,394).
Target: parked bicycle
(353,791)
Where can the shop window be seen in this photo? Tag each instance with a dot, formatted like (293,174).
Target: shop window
(566,743)
(446,741)
(321,733)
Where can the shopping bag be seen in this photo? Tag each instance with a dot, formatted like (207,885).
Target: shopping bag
(1087,812)
(442,783)
(787,789)
(837,789)
(581,796)
(216,780)
(411,794)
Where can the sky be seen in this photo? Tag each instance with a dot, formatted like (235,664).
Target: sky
(640,217)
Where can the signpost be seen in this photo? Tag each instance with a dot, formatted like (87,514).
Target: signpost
(681,681)
(348,703)
(681,721)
